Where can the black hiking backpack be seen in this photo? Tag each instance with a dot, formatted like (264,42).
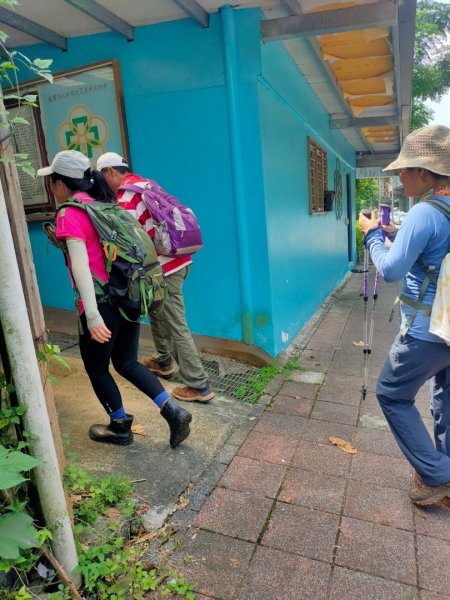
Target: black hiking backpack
(136,284)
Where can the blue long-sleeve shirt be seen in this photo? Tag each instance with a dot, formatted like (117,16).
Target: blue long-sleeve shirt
(426,233)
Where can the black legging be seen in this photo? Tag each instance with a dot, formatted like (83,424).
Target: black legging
(122,350)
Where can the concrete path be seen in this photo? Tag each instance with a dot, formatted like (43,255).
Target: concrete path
(271,509)
(160,474)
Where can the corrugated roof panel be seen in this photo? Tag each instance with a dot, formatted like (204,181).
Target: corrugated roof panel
(370,85)
(354,44)
(353,68)
(320,5)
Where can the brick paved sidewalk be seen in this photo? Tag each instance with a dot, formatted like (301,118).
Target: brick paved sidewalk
(284,515)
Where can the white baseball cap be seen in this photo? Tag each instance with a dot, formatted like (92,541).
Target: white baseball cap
(110,159)
(69,163)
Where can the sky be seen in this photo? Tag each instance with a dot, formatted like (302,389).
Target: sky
(441,111)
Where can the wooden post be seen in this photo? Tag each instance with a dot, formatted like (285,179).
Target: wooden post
(19,230)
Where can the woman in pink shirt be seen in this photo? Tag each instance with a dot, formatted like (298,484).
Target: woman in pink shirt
(106,336)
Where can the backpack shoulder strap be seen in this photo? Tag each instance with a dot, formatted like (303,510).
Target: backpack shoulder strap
(439,205)
(132,187)
(71,202)
(430,275)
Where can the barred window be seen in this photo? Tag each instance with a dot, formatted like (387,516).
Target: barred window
(317,176)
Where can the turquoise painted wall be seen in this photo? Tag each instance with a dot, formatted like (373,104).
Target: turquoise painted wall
(178,121)
(176,115)
(308,254)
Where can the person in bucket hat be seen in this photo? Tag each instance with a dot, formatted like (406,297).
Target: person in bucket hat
(417,354)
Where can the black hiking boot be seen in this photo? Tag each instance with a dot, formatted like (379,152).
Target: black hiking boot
(117,432)
(178,420)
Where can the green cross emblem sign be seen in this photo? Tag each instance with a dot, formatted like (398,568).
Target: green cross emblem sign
(82,135)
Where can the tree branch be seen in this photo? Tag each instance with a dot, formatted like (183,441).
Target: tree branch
(62,574)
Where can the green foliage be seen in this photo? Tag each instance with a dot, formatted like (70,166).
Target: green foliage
(17,532)
(367,194)
(431,67)
(97,495)
(179,587)
(51,353)
(421,114)
(292,365)
(22,594)
(105,568)
(13,464)
(63,593)
(10,62)
(10,4)
(254,386)
(252,389)
(111,569)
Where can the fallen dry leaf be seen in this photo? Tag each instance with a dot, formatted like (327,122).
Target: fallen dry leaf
(113,512)
(145,538)
(138,430)
(343,445)
(143,508)
(182,503)
(288,499)
(234,562)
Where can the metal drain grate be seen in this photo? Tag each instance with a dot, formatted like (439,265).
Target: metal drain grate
(67,342)
(226,375)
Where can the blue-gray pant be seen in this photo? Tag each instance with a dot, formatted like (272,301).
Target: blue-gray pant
(411,362)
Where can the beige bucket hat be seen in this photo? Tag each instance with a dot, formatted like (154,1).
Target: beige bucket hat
(427,147)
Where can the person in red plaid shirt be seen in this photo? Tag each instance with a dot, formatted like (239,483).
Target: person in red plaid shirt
(171,334)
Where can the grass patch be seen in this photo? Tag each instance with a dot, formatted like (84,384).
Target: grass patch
(251,390)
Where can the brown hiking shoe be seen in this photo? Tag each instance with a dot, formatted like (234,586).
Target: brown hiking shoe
(189,394)
(162,369)
(424,495)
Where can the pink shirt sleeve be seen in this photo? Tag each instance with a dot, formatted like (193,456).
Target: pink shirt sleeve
(74,222)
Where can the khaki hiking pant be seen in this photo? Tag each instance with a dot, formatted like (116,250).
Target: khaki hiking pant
(171,334)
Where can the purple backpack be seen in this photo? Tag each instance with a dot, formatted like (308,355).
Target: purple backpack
(177,231)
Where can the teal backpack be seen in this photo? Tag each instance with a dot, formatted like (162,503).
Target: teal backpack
(136,284)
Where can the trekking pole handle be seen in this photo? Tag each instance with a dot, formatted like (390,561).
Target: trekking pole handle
(368,214)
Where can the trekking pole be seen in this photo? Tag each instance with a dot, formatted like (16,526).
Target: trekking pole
(367,214)
(368,331)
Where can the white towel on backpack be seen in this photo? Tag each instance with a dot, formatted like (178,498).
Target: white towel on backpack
(440,312)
